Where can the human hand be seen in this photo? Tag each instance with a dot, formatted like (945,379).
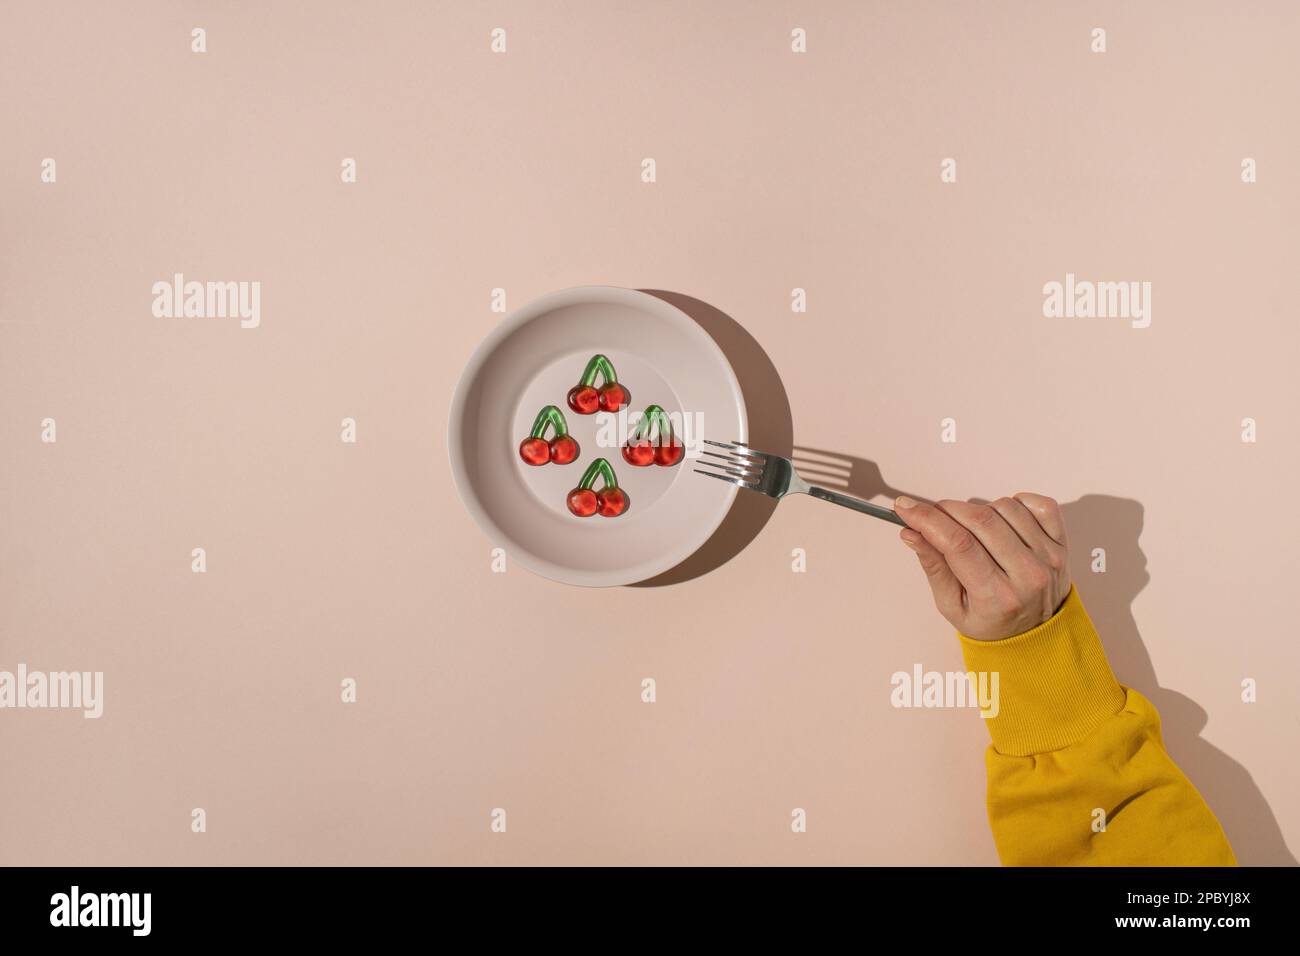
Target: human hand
(996,570)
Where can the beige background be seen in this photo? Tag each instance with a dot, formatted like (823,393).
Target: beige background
(521,171)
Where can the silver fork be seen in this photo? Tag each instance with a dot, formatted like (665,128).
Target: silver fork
(776,477)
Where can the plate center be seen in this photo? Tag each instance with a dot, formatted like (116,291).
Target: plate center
(599,436)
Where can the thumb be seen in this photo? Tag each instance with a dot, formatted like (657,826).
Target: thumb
(944,585)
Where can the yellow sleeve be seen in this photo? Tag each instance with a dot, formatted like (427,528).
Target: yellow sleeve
(1069,744)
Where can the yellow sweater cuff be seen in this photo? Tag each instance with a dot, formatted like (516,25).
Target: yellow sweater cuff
(1054,684)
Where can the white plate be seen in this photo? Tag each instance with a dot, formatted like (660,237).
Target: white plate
(662,356)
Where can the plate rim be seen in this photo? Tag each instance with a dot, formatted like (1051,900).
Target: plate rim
(506,327)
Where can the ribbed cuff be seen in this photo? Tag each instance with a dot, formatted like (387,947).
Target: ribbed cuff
(1054,684)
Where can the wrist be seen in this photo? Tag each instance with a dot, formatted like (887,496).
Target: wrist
(1054,683)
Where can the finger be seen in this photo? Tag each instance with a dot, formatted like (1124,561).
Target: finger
(944,585)
(999,538)
(1047,513)
(967,558)
(1025,525)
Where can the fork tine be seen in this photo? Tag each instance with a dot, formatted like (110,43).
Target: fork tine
(732,456)
(738,449)
(742,475)
(743,449)
(731,446)
(740,464)
(727,478)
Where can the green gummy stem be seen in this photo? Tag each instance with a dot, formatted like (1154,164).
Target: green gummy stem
(550,415)
(652,415)
(598,365)
(598,468)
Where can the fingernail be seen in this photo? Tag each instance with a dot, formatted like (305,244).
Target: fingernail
(902,501)
(908,540)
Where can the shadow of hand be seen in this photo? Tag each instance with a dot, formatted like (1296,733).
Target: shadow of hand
(1115,525)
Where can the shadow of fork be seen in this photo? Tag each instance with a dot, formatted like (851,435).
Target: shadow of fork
(850,474)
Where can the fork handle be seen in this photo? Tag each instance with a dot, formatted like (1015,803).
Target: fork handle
(857,504)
